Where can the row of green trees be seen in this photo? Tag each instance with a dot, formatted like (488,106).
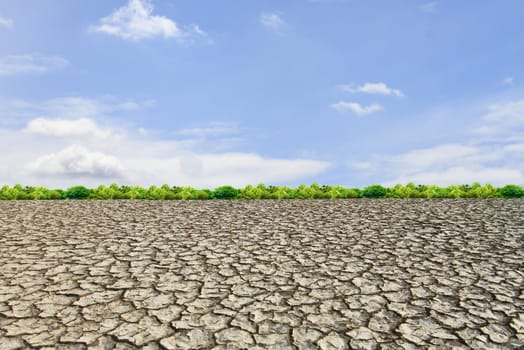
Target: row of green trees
(314,191)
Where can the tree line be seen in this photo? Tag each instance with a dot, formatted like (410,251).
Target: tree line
(261,191)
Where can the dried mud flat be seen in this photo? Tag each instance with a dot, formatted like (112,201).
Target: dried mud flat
(343,274)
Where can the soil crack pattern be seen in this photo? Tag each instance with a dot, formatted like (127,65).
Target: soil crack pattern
(290,274)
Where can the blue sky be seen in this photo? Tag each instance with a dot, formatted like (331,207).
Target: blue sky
(207,93)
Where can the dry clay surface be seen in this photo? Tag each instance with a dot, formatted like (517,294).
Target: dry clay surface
(321,274)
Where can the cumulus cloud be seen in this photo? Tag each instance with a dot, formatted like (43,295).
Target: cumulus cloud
(356,108)
(135,156)
(136,21)
(75,161)
(73,128)
(30,63)
(272,21)
(372,88)
(6,22)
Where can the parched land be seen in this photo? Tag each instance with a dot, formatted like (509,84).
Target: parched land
(297,274)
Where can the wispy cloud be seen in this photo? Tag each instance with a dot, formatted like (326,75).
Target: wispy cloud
(504,122)
(211,130)
(356,108)
(68,128)
(508,80)
(6,22)
(272,21)
(491,153)
(136,21)
(75,107)
(30,63)
(447,164)
(372,88)
(17,111)
(429,7)
(326,1)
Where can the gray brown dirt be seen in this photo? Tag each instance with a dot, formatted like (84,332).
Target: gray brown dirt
(320,274)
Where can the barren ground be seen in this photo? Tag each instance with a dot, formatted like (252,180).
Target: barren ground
(342,274)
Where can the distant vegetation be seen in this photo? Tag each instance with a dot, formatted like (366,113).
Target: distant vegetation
(314,191)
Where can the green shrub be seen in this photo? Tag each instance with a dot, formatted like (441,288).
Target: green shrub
(261,191)
(354,193)
(432,192)
(77,192)
(512,191)
(225,192)
(201,194)
(56,194)
(374,191)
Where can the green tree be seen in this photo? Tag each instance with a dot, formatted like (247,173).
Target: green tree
(454,191)
(77,192)
(374,191)
(353,193)
(225,192)
(167,192)
(512,191)
(40,193)
(154,193)
(432,191)
(186,193)
(249,192)
(202,194)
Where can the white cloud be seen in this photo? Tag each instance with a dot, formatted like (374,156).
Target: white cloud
(492,152)
(272,21)
(325,1)
(136,21)
(356,108)
(30,63)
(361,165)
(72,151)
(463,175)
(428,157)
(372,88)
(76,161)
(506,113)
(516,147)
(429,7)
(16,111)
(450,164)
(508,80)
(6,22)
(72,128)
(212,130)
(87,107)
(504,122)
(211,170)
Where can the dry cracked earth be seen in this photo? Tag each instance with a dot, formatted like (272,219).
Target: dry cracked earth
(321,274)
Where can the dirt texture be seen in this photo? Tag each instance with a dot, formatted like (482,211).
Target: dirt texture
(295,274)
